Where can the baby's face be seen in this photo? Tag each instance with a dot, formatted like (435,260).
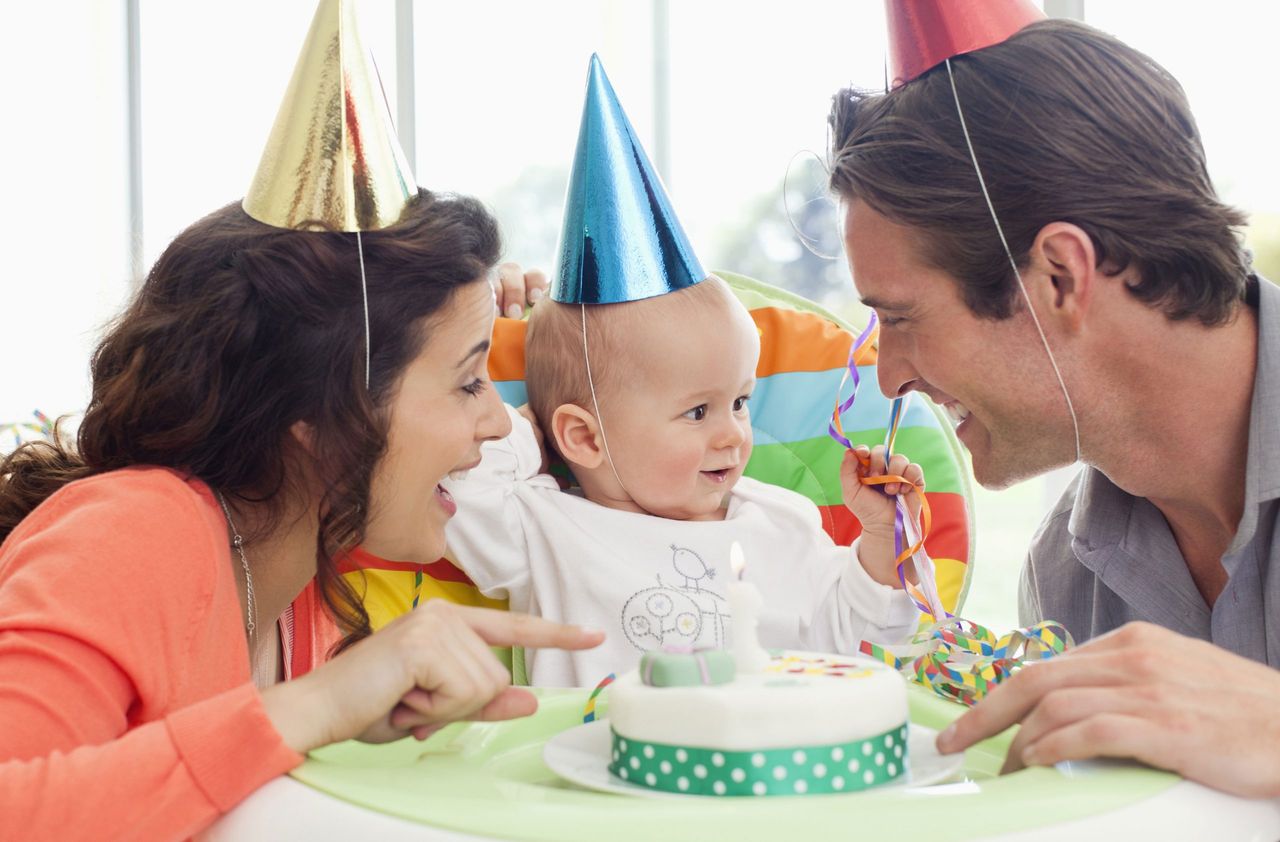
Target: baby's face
(678,425)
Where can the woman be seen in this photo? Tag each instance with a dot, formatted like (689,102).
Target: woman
(230,452)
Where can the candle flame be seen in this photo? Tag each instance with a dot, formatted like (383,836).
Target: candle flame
(737,562)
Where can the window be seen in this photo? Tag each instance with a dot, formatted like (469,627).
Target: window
(64,214)
(729,102)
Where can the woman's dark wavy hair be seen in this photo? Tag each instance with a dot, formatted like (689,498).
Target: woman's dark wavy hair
(1068,124)
(243,329)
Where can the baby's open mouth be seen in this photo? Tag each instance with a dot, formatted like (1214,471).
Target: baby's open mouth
(718,475)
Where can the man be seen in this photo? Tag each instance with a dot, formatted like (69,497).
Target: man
(1031,218)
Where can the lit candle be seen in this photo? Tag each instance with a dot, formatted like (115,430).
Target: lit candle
(745,603)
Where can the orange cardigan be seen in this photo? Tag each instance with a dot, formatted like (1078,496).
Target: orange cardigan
(126,705)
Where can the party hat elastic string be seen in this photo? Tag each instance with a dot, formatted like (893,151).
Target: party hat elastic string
(332,161)
(982,182)
(595,404)
(364,291)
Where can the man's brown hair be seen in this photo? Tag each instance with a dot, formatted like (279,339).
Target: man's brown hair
(1068,124)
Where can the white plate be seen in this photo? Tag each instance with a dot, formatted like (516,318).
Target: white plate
(581,755)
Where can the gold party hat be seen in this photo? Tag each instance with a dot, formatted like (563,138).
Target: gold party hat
(332,161)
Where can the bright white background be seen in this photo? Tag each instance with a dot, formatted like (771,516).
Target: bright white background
(498,90)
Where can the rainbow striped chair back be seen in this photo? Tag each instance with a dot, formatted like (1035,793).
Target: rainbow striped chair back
(803,353)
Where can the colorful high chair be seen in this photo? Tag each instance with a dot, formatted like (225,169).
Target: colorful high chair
(803,353)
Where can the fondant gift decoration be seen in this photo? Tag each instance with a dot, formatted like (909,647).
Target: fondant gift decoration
(686,667)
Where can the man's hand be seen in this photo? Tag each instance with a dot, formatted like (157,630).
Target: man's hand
(1144,692)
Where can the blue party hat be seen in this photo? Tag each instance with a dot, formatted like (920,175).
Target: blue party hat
(621,240)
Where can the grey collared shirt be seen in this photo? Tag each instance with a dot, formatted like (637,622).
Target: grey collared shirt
(1103,557)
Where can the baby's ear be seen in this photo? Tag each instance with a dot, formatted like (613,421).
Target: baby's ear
(577,436)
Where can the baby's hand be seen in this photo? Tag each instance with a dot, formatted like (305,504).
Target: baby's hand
(874,505)
(513,288)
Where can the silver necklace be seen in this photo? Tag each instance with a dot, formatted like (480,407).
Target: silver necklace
(250,604)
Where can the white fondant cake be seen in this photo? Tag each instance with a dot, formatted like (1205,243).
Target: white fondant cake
(808,724)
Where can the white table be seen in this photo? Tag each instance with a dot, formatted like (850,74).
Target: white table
(1186,812)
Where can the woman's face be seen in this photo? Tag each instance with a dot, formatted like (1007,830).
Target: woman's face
(443,409)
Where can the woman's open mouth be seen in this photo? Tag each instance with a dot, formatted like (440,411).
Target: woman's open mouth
(445,499)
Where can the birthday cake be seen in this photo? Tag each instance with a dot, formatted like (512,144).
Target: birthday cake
(802,725)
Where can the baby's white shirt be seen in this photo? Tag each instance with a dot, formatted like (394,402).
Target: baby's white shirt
(651,582)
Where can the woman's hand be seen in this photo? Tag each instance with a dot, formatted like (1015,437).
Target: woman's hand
(513,288)
(1144,692)
(425,669)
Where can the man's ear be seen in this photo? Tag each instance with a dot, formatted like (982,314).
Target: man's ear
(577,436)
(1063,257)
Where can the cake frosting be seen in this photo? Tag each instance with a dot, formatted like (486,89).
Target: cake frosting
(806,724)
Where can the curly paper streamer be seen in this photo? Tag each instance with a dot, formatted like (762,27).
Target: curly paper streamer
(589,712)
(962,661)
(22,432)
(908,539)
(835,428)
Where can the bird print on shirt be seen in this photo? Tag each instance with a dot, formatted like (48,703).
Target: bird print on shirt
(687,614)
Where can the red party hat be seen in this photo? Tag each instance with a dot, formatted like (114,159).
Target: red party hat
(925,33)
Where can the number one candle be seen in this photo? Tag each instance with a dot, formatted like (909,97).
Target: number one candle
(745,603)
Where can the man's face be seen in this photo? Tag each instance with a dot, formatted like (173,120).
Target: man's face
(991,376)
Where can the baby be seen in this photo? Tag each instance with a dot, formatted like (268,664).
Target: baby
(658,448)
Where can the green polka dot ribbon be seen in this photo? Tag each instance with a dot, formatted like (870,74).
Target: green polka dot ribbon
(840,767)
